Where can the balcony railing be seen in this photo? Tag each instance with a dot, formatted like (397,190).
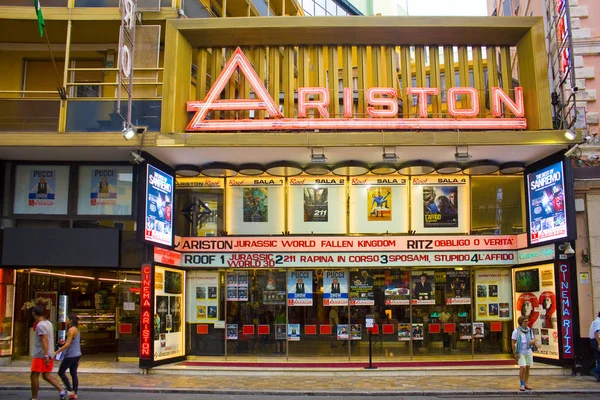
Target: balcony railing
(25,115)
(97,115)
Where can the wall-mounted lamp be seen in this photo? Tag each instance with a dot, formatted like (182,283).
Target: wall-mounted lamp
(570,134)
(462,154)
(566,248)
(389,155)
(317,155)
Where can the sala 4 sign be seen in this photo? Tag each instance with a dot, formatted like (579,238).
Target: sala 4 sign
(382,108)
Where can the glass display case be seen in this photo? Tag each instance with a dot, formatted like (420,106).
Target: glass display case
(97,329)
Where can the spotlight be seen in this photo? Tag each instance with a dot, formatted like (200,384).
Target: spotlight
(317,155)
(462,154)
(129,132)
(570,134)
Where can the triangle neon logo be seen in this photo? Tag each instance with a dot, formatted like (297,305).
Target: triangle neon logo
(211,102)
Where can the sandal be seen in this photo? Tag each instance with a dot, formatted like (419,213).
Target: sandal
(528,388)
(522,389)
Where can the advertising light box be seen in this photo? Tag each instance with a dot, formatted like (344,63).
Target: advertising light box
(546,202)
(158,206)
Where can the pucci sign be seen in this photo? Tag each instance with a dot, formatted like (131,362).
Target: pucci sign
(382,107)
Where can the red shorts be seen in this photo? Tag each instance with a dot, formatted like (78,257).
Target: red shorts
(40,365)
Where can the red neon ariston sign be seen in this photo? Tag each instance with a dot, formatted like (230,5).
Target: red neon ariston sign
(146,312)
(382,107)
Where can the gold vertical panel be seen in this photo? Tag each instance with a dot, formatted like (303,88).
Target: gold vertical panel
(533,77)
(362,75)
(334,106)
(319,70)
(303,67)
(377,79)
(406,75)
(230,88)
(434,79)
(202,65)
(288,81)
(506,66)
(463,72)
(244,84)
(274,73)
(347,70)
(215,71)
(449,68)
(478,78)
(390,67)
(178,61)
(492,66)
(261,69)
(420,71)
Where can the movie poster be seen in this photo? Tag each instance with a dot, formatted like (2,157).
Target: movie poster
(175,312)
(300,288)
(103,186)
(417,332)
(361,288)
(396,287)
(465,331)
(256,204)
(274,288)
(315,204)
(335,288)
(404,332)
(293,332)
(547,214)
(42,190)
(478,332)
(342,332)
(423,287)
(536,299)
(355,332)
(458,287)
(379,203)
(237,286)
(162,309)
(440,206)
(232,332)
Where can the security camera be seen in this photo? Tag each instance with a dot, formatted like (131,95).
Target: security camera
(571,151)
(136,158)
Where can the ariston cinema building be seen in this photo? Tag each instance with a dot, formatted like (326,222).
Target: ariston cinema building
(319,182)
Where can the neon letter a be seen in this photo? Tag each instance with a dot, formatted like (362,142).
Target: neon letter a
(263,100)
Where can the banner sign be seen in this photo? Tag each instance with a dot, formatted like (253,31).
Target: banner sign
(349,244)
(169,257)
(382,107)
(158,204)
(536,254)
(199,183)
(319,260)
(547,213)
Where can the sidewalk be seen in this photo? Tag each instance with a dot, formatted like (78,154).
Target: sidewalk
(353,382)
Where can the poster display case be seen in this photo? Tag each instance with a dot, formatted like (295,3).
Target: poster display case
(323,202)
(169,292)
(255,206)
(41,189)
(379,204)
(105,190)
(440,204)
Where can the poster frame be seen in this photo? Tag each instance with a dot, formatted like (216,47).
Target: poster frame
(13,181)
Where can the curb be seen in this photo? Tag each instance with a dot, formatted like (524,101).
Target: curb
(318,392)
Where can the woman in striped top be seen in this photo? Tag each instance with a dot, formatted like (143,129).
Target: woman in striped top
(71,355)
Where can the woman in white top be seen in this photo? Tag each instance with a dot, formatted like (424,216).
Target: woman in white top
(523,340)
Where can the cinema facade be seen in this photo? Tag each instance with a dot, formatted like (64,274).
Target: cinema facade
(295,240)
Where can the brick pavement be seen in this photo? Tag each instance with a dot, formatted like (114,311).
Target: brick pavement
(328,382)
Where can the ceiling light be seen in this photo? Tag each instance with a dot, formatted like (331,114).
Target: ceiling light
(383,168)
(449,167)
(481,167)
(317,155)
(283,168)
(350,168)
(317,169)
(251,169)
(570,134)
(219,170)
(187,170)
(512,168)
(462,154)
(416,167)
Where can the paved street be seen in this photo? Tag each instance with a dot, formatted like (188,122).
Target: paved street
(22,394)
